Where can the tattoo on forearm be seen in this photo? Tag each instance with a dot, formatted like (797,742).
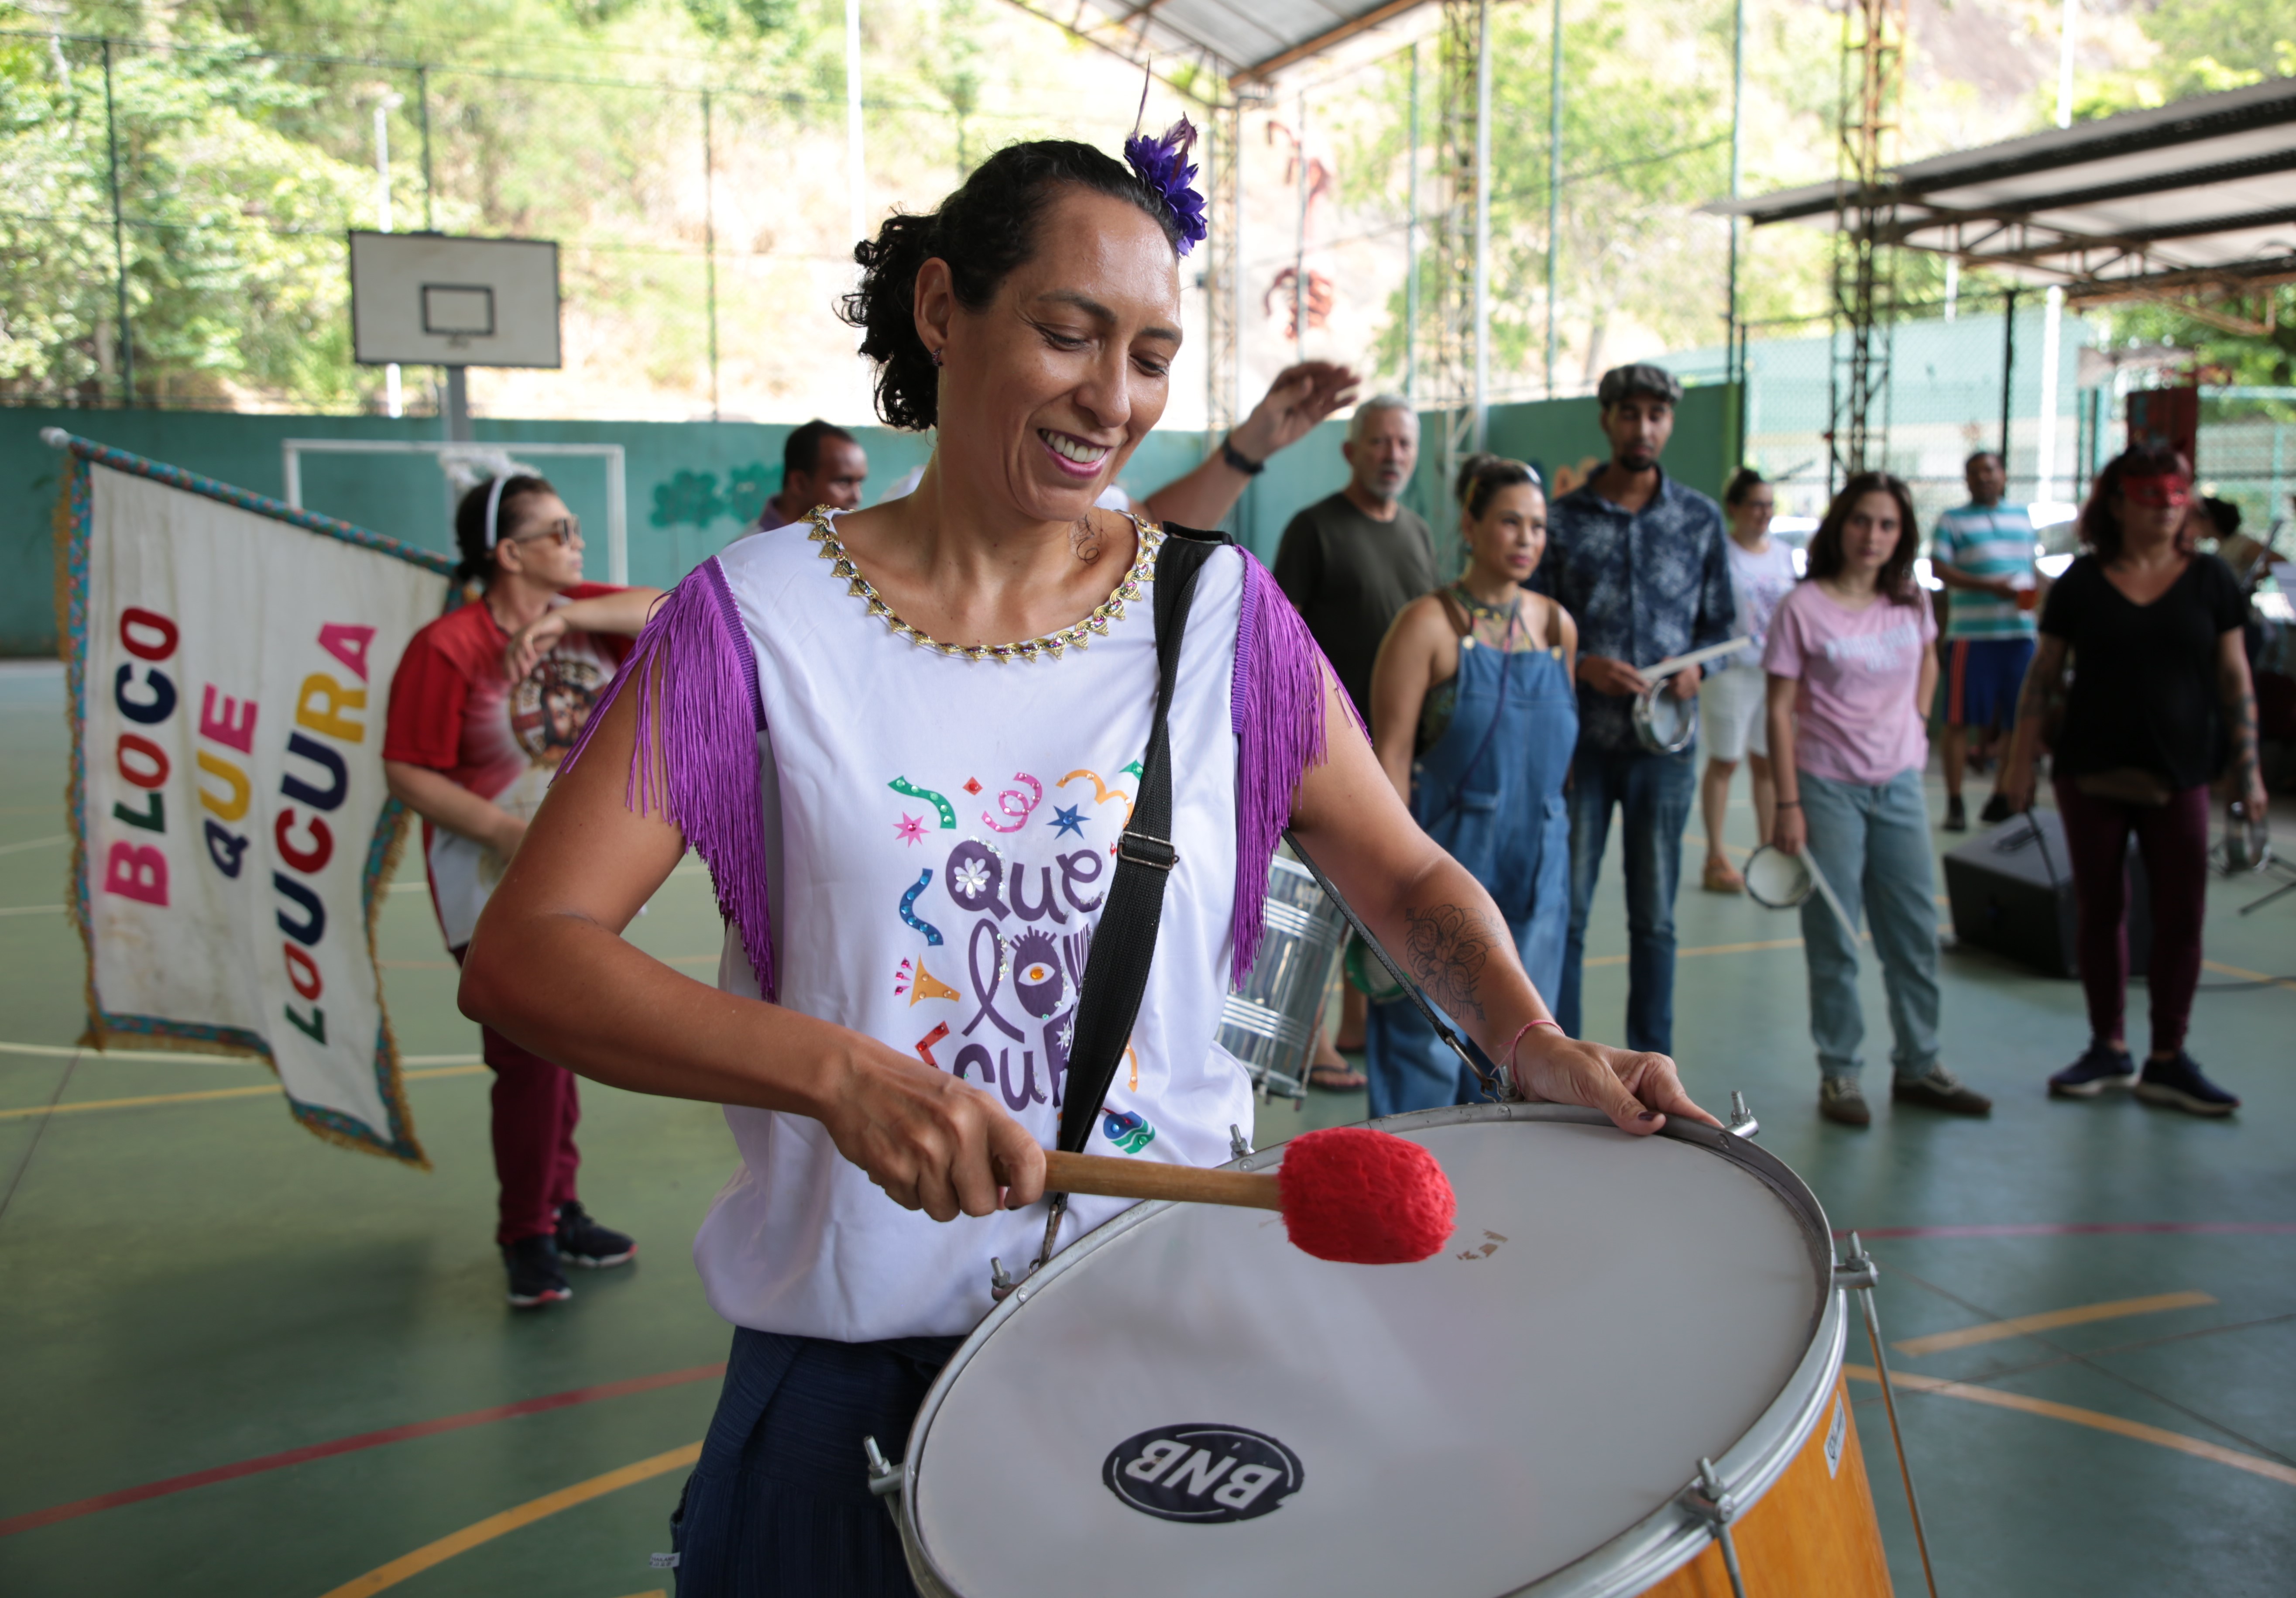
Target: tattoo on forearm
(2242,704)
(1448,947)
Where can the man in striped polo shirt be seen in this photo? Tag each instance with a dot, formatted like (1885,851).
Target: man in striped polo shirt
(1984,552)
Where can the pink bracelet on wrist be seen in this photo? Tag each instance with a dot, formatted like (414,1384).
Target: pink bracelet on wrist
(1516,1041)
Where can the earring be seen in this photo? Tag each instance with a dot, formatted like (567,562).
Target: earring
(936,358)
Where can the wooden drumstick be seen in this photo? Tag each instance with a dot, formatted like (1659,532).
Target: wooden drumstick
(1346,1193)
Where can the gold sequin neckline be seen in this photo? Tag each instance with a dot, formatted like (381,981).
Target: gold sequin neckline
(1054,644)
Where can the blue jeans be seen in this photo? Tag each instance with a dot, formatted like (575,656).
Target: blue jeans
(1655,792)
(1873,843)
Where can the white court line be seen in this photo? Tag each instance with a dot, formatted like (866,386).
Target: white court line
(48,1051)
(34,843)
(31,909)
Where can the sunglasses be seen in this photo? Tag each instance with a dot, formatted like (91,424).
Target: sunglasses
(567,530)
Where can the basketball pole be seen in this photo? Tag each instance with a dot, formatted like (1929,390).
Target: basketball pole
(458,405)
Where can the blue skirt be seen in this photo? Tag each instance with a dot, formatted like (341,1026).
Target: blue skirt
(779,1505)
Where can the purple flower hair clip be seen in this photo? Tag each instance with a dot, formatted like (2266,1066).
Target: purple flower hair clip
(1162,165)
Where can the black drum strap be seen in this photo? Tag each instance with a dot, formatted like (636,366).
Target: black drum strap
(1124,943)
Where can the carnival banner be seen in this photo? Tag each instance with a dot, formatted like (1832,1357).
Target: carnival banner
(229,662)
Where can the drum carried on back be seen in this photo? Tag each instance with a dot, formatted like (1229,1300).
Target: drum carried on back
(1628,1349)
(1270,1023)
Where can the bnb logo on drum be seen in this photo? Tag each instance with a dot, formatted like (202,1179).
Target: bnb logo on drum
(1203,1474)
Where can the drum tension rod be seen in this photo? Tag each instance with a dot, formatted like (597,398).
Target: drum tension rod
(884,1477)
(1708,1500)
(1857,1272)
(1743,1122)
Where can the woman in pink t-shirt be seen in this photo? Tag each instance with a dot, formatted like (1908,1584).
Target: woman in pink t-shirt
(1850,668)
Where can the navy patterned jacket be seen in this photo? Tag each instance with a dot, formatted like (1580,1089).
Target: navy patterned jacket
(1642,587)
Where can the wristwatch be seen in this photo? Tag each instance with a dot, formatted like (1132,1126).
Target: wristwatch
(1240,462)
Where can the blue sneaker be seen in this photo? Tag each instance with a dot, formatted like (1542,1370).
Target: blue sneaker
(2103,1067)
(2177,1085)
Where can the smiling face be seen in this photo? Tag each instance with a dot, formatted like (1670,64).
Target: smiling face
(1508,540)
(1045,391)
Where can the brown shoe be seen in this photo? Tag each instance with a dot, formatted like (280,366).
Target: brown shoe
(1722,877)
(1840,1101)
(1941,1089)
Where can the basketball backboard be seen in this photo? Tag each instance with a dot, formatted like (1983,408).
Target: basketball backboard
(428,299)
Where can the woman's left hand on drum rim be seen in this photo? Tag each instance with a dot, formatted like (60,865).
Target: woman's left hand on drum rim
(1637,1090)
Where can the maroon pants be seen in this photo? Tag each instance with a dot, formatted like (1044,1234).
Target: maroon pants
(2174,841)
(536,1111)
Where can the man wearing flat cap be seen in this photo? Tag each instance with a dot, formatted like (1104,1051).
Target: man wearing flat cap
(1639,560)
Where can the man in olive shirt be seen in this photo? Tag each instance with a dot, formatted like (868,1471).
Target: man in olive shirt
(1352,562)
(1349,563)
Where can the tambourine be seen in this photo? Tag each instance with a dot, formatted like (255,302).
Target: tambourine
(1663,723)
(1777,881)
(2247,845)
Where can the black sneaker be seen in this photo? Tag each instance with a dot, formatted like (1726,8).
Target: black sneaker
(1996,811)
(582,1241)
(1940,1089)
(2101,1067)
(1956,819)
(2177,1085)
(534,1278)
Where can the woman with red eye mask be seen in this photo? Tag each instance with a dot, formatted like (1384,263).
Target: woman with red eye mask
(2160,701)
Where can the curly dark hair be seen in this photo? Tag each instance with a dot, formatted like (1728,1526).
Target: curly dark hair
(1896,578)
(471,522)
(983,230)
(1482,476)
(2100,517)
(1742,482)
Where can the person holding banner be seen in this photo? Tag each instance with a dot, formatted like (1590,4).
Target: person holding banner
(486,702)
(1850,668)
(930,751)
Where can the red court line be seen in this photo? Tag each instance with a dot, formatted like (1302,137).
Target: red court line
(2072,1229)
(352,1444)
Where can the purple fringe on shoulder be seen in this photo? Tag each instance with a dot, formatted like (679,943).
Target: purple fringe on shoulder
(695,757)
(1276,709)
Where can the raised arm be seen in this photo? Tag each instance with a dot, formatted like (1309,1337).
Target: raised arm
(1299,397)
(548,968)
(1442,927)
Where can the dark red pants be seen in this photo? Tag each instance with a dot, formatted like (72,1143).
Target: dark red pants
(536,1109)
(2174,841)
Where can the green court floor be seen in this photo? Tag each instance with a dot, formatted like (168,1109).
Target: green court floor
(236,1361)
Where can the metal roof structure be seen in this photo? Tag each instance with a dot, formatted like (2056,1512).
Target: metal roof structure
(1240,43)
(2195,197)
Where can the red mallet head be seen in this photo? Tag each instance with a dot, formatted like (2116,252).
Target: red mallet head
(1363,1197)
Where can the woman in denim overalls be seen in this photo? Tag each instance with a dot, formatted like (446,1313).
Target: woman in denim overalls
(1474,720)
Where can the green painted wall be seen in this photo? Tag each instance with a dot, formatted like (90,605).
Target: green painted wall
(692,486)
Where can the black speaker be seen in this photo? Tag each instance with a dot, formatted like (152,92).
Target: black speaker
(2012,892)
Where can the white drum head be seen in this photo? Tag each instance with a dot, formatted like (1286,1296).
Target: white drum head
(1194,1406)
(1776,879)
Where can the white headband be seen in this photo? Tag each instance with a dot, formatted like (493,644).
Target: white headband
(493,505)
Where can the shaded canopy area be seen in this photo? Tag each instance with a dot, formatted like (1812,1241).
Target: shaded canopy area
(2198,198)
(1239,40)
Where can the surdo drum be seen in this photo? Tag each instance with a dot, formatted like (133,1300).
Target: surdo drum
(1181,1403)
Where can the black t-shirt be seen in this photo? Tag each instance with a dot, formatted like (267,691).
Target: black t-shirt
(2144,677)
(1348,575)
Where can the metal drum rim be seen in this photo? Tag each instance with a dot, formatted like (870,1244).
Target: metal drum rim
(1637,1558)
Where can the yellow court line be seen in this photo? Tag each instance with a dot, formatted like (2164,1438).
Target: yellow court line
(1711,948)
(212,1092)
(1994,1331)
(2272,1469)
(2247,975)
(512,1520)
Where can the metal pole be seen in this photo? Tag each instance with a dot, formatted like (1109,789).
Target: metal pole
(118,240)
(2008,369)
(2044,464)
(1299,241)
(710,239)
(394,401)
(1482,218)
(1411,246)
(856,174)
(1554,187)
(422,98)
(1737,170)
(458,405)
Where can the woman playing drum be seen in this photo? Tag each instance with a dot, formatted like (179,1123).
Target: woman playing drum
(906,740)
(1475,721)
